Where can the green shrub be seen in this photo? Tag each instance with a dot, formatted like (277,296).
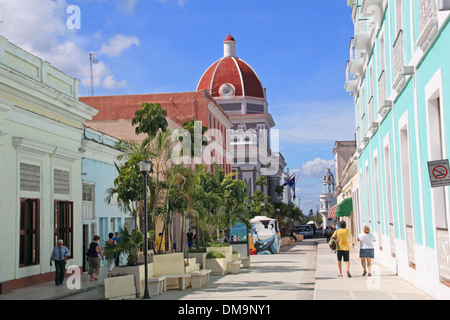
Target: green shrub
(215,255)
(199,250)
(217,244)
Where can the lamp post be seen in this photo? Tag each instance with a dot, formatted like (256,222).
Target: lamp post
(144,167)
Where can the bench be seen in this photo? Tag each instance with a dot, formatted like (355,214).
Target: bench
(156,285)
(181,281)
(200,278)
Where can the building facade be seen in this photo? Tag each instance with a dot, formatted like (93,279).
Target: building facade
(399,75)
(41,129)
(239,92)
(98,172)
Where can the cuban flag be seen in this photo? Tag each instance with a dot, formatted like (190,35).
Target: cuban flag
(291,183)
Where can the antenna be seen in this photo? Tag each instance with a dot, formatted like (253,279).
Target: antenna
(92,60)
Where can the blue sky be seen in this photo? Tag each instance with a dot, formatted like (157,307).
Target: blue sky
(298,48)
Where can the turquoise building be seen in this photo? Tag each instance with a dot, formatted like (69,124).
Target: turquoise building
(399,76)
(98,174)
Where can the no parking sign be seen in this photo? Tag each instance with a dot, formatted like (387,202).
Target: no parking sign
(439,173)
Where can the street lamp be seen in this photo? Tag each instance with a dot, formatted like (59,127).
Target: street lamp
(145,167)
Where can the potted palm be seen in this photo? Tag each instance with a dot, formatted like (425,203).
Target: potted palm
(129,245)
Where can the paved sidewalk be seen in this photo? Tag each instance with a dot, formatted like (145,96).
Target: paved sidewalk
(48,290)
(304,271)
(382,285)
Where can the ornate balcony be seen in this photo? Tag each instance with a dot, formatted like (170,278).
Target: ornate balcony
(351,82)
(368,7)
(399,79)
(384,105)
(428,23)
(356,59)
(373,123)
(363,34)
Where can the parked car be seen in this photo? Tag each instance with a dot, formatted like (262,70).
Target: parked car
(306,231)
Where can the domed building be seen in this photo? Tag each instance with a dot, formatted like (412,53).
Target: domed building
(238,90)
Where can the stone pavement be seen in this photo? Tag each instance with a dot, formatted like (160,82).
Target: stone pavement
(304,271)
(382,285)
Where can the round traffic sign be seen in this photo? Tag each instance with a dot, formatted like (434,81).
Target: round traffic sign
(440,172)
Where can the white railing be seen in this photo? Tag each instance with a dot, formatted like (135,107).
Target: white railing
(381,89)
(443,247)
(392,238)
(410,245)
(398,57)
(427,10)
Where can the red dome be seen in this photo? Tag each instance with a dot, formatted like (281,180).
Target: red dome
(234,71)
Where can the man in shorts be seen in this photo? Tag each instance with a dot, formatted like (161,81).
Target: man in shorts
(343,236)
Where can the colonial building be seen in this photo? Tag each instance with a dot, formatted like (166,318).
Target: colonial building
(116,113)
(41,129)
(239,92)
(399,76)
(98,172)
(347,186)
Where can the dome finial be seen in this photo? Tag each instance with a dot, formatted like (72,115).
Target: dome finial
(229,47)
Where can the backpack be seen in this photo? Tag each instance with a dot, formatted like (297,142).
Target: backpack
(333,245)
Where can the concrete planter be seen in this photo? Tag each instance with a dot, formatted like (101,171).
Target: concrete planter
(139,275)
(217,266)
(117,288)
(236,256)
(200,257)
(285,241)
(226,251)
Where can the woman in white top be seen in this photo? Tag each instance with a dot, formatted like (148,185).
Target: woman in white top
(366,252)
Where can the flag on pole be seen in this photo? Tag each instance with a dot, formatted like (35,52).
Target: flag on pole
(291,183)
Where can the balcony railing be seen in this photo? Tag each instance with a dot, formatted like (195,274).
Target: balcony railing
(443,245)
(427,11)
(428,23)
(356,58)
(363,32)
(373,124)
(398,58)
(351,82)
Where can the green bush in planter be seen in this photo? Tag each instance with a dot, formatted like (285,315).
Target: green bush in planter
(218,244)
(199,250)
(215,255)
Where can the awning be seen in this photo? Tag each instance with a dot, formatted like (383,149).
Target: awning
(332,212)
(344,208)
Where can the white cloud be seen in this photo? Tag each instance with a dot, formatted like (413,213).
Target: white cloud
(317,167)
(127,6)
(117,45)
(39,27)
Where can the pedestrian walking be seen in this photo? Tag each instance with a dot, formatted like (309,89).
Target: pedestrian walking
(60,254)
(190,238)
(117,240)
(110,255)
(94,254)
(367,250)
(343,236)
(160,244)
